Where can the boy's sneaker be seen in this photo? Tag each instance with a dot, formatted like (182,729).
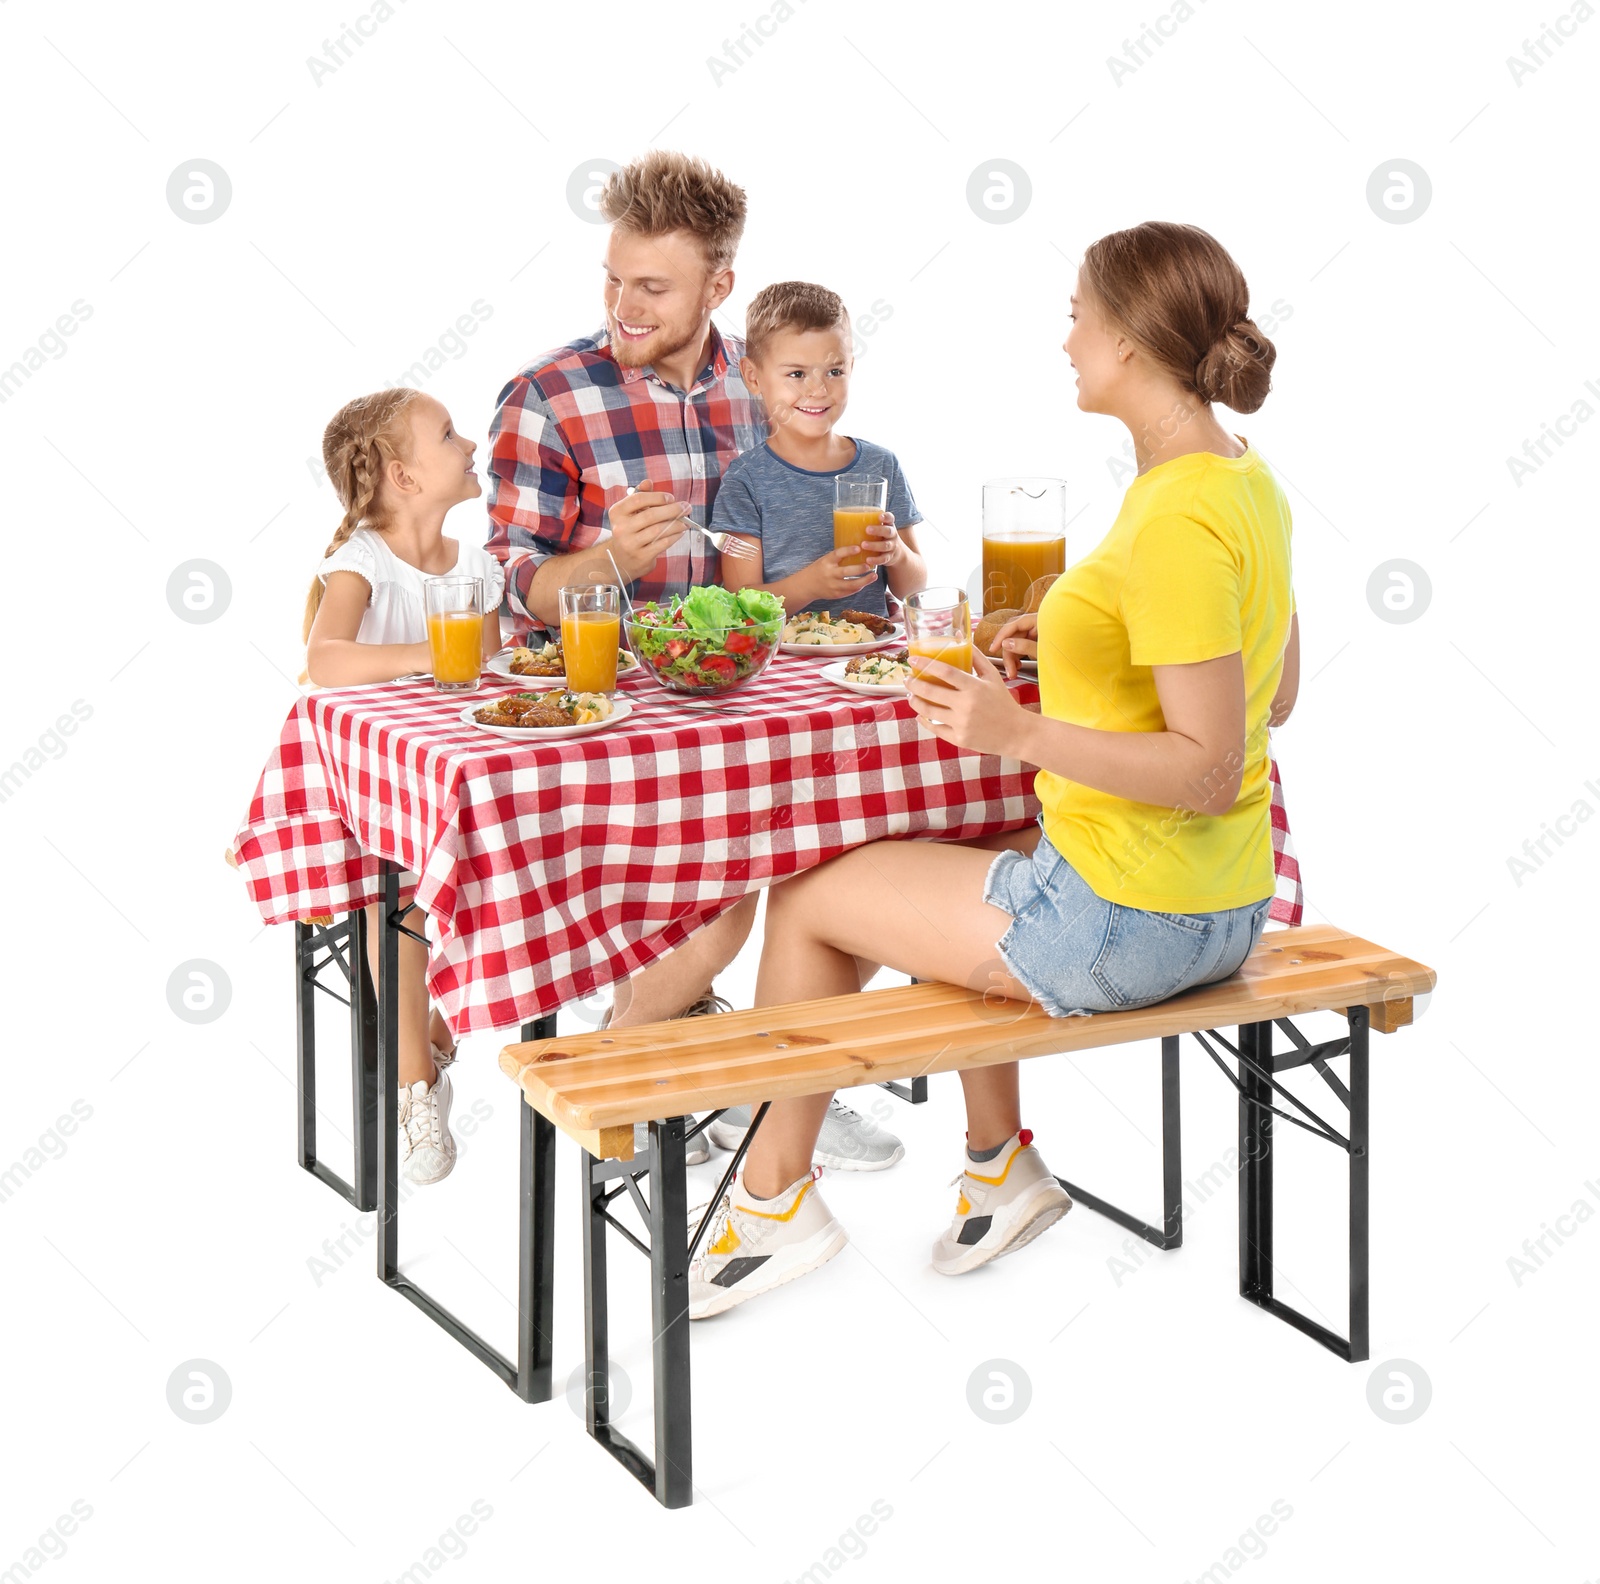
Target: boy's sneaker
(695,1151)
(848,1141)
(754,1245)
(1005,1202)
(427,1149)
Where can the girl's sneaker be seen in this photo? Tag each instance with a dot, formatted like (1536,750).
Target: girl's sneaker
(754,1245)
(1005,1202)
(848,1141)
(427,1148)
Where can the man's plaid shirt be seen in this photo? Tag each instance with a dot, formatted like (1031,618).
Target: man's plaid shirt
(575,428)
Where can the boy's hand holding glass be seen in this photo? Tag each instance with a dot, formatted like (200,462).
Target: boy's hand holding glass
(840,574)
(883,546)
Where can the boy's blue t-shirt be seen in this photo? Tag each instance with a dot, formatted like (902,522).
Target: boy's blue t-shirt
(790,510)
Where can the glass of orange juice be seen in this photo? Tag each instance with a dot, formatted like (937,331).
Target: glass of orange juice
(591,631)
(454,607)
(859,502)
(939,627)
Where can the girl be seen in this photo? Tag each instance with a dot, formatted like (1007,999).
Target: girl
(397,466)
(1164,655)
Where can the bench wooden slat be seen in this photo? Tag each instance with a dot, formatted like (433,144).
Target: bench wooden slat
(595,1086)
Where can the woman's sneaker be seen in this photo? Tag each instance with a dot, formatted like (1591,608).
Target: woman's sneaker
(1005,1202)
(754,1245)
(427,1149)
(848,1141)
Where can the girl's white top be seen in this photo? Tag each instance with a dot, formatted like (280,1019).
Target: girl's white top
(395,612)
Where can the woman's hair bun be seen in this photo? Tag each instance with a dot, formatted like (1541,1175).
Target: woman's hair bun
(1177,293)
(1237,371)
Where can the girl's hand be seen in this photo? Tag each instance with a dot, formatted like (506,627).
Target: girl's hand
(1017,640)
(975,712)
(833,581)
(883,545)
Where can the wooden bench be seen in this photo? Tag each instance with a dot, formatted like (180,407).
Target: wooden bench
(596,1086)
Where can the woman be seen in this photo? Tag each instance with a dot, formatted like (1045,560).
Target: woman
(1163,656)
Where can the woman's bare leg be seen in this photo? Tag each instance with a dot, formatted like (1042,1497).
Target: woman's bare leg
(926,918)
(416,1053)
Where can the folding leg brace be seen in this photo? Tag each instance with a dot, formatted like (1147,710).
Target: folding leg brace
(1257,1081)
(529,1376)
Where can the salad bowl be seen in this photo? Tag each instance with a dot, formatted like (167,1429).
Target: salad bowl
(708,641)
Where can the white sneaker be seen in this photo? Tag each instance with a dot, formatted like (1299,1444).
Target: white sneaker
(427,1148)
(695,1151)
(1004,1203)
(754,1245)
(848,1141)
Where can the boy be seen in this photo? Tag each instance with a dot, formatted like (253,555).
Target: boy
(780,494)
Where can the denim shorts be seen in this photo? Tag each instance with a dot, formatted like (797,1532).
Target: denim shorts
(1075,953)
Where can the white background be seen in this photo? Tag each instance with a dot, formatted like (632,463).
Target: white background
(429,171)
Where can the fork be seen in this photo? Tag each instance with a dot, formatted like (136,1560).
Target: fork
(722,543)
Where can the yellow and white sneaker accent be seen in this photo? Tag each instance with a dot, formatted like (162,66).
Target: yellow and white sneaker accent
(1004,1203)
(754,1245)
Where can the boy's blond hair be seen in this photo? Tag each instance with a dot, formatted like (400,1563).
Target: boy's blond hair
(664,191)
(792,305)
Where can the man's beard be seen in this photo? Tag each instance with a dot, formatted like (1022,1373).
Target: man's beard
(640,354)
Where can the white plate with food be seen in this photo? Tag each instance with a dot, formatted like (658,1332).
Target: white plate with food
(848,633)
(551,713)
(876,675)
(550,654)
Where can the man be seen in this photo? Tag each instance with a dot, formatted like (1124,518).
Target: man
(652,400)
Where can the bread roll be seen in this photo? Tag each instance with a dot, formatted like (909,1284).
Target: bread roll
(1038,589)
(987,630)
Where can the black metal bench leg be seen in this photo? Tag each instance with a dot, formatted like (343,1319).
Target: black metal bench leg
(345,944)
(363,1062)
(1169,1235)
(1360,1020)
(916,1092)
(305,1011)
(669,1318)
(388,1171)
(669,1476)
(1255,1165)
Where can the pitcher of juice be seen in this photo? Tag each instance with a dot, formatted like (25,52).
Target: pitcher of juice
(591,630)
(454,607)
(1024,539)
(859,502)
(939,627)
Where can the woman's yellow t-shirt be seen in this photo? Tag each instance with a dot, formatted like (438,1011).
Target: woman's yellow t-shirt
(1196,566)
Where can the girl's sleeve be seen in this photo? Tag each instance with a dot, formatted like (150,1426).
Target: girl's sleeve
(354,555)
(494,580)
(1181,594)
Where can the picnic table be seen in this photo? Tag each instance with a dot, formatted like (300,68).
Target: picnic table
(552,869)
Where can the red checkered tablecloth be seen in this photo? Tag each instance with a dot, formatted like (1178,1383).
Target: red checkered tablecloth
(551,870)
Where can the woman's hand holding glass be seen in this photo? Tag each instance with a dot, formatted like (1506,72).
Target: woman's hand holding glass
(974,710)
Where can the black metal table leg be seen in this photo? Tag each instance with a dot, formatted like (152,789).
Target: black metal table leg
(529,1374)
